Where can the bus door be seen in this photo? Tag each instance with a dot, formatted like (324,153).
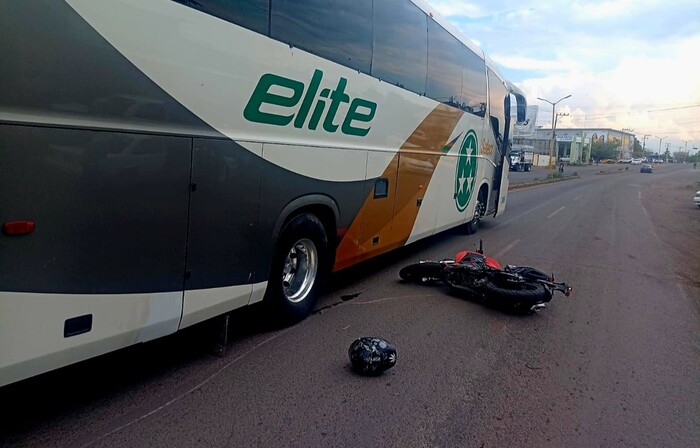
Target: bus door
(376,234)
(518,97)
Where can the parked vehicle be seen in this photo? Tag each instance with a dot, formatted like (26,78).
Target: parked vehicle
(637,161)
(696,199)
(519,289)
(646,168)
(521,159)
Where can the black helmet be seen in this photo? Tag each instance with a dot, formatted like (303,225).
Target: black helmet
(372,356)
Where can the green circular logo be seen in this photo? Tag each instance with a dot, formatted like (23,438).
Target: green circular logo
(465,177)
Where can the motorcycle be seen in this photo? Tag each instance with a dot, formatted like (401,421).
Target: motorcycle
(520,289)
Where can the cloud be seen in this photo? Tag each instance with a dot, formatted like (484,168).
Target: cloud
(531,64)
(449,8)
(621,60)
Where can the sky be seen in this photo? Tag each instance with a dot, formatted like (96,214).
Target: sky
(626,64)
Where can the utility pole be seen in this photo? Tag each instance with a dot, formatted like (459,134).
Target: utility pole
(666,153)
(644,144)
(660,138)
(551,138)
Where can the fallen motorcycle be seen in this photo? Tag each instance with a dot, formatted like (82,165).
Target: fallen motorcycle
(519,289)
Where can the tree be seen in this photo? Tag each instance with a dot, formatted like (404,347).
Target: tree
(637,152)
(607,150)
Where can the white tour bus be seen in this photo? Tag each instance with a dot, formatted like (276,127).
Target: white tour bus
(163,162)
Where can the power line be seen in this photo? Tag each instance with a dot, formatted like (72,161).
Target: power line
(633,111)
(675,108)
(585,106)
(675,133)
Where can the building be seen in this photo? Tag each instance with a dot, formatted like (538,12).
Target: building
(575,143)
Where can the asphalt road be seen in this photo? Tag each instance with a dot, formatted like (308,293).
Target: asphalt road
(584,171)
(614,365)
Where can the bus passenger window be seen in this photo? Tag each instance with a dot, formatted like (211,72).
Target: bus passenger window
(337,30)
(444,66)
(399,54)
(251,14)
(473,84)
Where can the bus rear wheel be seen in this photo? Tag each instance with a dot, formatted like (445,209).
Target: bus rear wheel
(298,267)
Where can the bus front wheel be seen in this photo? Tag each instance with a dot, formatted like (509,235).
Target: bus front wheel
(473,225)
(298,266)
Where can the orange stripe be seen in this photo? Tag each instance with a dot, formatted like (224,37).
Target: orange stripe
(416,161)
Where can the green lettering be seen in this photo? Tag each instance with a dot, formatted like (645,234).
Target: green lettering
(338,96)
(262,95)
(308,99)
(354,115)
(282,95)
(318,110)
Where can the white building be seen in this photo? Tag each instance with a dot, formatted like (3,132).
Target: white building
(575,143)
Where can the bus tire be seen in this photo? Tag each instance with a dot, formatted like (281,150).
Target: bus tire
(473,225)
(299,265)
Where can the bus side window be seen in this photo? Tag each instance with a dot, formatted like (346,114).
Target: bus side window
(399,53)
(251,14)
(473,84)
(340,31)
(444,66)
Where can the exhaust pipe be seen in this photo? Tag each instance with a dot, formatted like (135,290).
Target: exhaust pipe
(536,308)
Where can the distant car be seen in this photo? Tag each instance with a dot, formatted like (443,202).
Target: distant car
(646,168)
(696,199)
(636,161)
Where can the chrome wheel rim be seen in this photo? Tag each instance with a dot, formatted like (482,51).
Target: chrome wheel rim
(299,271)
(477,212)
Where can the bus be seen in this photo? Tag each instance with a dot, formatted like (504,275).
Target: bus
(164,162)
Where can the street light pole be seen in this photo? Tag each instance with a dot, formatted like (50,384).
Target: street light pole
(551,138)
(644,145)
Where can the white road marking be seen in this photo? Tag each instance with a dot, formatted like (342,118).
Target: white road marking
(505,250)
(577,198)
(560,209)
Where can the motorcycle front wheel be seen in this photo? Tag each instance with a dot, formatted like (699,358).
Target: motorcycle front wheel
(520,298)
(424,272)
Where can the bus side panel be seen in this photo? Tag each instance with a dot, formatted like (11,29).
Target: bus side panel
(33,336)
(280,187)
(103,268)
(223,220)
(110,211)
(439,209)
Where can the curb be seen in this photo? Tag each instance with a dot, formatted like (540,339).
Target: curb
(540,182)
(605,173)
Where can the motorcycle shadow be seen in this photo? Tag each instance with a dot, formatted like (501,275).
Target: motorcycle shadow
(491,303)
